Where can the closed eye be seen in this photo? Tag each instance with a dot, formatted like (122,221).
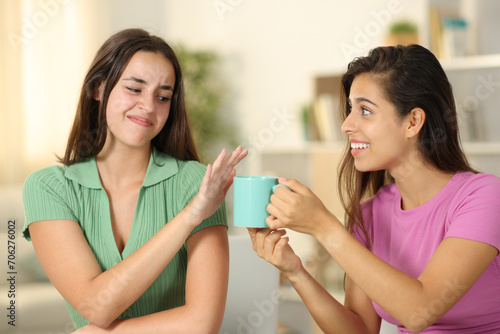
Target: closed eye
(134,90)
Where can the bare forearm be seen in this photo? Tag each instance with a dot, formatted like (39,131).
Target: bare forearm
(330,315)
(124,283)
(178,320)
(395,291)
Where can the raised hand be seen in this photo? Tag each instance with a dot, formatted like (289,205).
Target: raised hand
(215,184)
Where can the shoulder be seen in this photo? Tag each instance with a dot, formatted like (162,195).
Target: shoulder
(474,208)
(51,177)
(191,173)
(480,180)
(191,168)
(473,194)
(163,167)
(468,184)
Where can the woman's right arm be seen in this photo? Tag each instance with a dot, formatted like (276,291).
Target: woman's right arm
(357,315)
(100,297)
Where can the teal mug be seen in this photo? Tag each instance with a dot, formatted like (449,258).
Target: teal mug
(251,195)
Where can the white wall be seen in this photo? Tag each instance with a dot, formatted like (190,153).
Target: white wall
(59,40)
(273,49)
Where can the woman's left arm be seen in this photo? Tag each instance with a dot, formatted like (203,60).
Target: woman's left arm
(206,289)
(415,302)
(412,301)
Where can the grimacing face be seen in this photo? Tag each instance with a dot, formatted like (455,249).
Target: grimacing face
(139,104)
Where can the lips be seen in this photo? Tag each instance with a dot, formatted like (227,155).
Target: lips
(142,121)
(358,147)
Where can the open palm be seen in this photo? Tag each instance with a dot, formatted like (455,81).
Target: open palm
(215,184)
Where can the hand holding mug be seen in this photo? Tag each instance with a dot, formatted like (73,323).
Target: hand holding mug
(297,208)
(272,246)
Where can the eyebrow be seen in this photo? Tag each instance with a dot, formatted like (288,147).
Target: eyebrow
(141,81)
(362,99)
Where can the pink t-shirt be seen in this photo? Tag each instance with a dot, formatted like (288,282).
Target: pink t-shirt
(467,207)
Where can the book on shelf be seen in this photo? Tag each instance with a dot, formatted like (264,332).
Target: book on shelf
(325,119)
(435,33)
(469,122)
(448,34)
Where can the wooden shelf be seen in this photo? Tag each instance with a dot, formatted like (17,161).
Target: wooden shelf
(482,148)
(471,63)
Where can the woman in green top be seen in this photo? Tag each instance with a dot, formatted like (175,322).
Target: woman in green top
(131,229)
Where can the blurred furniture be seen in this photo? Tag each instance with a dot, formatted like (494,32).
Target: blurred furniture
(253,292)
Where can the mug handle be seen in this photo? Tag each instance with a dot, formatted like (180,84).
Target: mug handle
(279,185)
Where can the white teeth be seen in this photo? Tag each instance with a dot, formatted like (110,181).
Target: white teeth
(359,146)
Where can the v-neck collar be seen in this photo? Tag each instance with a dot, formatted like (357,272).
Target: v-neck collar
(161,167)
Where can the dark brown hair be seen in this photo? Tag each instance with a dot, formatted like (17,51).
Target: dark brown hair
(411,77)
(89,130)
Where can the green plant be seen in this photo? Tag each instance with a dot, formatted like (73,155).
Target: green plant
(204,96)
(403,27)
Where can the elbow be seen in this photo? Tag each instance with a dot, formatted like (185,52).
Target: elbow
(99,317)
(418,321)
(415,329)
(101,321)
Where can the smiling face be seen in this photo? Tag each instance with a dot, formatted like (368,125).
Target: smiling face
(380,139)
(139,104)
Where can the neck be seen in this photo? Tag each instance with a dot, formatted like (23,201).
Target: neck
(122,167)
(420,184)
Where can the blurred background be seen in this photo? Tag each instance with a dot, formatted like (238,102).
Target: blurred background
(270,83)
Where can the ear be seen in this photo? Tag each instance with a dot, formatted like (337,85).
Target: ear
(98,93)
(415,122)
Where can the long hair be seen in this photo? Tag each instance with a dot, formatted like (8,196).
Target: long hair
(88,134)
(411,77)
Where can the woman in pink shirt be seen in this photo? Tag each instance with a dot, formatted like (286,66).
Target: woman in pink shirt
(423,227)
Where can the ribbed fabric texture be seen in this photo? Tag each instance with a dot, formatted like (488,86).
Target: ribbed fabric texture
(75,193)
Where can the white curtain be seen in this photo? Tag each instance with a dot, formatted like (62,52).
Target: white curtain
(11,110)
(46,48)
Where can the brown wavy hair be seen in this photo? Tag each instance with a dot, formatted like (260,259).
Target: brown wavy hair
(411,77)
(88,134)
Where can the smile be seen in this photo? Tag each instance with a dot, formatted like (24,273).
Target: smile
(359,146)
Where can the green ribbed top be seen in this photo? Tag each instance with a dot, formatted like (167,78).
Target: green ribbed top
(75,193)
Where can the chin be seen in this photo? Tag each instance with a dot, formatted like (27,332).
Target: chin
(360,167)
(366,168)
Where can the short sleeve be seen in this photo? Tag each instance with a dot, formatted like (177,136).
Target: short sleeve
(45,197)
(191,176)
(477,214)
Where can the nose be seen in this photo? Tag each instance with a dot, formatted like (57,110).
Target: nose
(147,103)
(349,124)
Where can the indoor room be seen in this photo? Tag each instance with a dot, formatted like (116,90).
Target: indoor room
(264,75)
